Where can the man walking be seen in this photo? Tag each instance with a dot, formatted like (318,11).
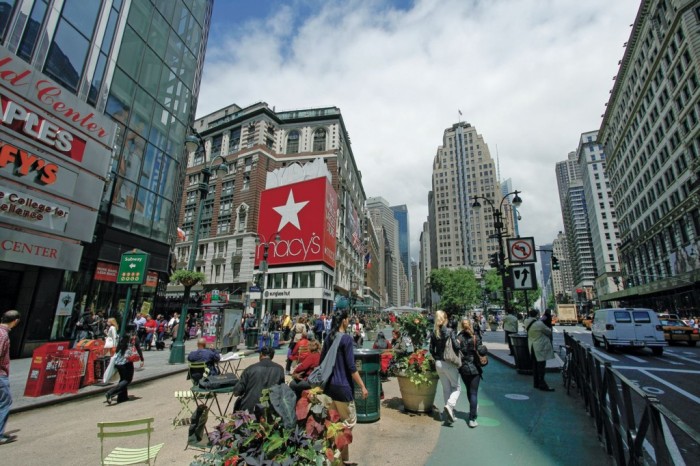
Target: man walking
(8,321)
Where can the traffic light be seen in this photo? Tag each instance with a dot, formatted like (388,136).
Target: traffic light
(555,263)
(493,260)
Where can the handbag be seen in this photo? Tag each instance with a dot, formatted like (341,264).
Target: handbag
(109,343)
(450,355)
(132,354)
(320,376)
(482,358)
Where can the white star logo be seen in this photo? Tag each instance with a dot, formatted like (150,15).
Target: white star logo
(290,212)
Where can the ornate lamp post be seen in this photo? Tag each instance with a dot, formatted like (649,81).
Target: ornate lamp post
(498,225)
(194,143)
(263,269)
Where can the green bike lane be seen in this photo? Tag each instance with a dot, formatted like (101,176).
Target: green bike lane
(519,425)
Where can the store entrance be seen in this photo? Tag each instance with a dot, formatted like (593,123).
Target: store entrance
(9,293)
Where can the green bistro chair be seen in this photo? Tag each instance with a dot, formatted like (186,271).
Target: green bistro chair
(124,455)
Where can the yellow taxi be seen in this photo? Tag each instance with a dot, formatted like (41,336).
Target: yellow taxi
(587,321)
(675,330)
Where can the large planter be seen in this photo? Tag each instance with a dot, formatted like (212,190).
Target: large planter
(417,398)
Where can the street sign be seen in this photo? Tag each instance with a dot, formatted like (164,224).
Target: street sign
(521,250)
(132,268)
(523,277)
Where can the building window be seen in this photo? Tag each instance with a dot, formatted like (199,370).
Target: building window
(246,183)
(32,29)
(227,188)
(234,142)
(293,142)
(65,61)
(319,140)
(216,145)
(222,227)
(242,217)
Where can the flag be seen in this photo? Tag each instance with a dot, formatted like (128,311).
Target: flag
(368,261)
(460,112)
(181,235)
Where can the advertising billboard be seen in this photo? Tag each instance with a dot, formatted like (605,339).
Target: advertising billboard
(304,215)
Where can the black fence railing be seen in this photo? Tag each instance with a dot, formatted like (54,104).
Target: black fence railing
(634,427)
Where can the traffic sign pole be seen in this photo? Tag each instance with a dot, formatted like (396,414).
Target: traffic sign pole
(132,271)
(125,314)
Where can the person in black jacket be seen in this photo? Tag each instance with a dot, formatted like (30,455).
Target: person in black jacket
(447,371)
(470,371)
(254,379)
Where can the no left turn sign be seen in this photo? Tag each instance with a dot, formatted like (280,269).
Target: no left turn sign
(522,250)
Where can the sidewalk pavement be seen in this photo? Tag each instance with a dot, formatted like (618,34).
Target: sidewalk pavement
(517,424)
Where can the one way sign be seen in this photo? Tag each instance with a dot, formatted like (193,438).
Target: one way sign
(523,277)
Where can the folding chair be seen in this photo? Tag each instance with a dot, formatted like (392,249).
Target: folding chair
(196,371)
(125,455)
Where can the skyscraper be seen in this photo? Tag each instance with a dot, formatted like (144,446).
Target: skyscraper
(401,216)
(463,168)
(383,216)
(117,84)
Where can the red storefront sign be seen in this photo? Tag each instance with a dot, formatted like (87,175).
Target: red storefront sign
(304,215)
(152,279)
(106,272)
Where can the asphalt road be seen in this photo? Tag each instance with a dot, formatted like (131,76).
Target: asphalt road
(673,378)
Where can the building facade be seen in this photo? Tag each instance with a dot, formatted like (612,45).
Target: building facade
(124,76)
(381,214)
(264,148)
(652,140)
(562,279)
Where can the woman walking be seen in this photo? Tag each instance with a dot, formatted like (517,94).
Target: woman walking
(111,336)
(124,363)
(340,387)
(470,371)
(447,371)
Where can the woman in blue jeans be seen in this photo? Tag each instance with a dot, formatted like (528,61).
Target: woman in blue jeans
(470,370)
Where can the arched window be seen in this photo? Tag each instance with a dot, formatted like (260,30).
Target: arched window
(293,142)
(319,140)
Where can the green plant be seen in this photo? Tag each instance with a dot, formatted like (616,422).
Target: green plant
(304,432)
(187,277)
(418,365)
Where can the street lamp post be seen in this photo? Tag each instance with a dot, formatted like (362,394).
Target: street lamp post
(498,225)
(194,143)
(263,269)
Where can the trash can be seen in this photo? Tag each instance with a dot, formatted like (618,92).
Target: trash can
(264,340)
(275,340)
(251,338)
(368,364)
(521,352)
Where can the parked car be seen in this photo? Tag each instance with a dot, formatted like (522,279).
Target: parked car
(675,330)
(631,327)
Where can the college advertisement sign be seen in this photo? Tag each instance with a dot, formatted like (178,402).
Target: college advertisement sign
(304,215)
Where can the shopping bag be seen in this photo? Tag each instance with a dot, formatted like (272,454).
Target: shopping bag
(109,372)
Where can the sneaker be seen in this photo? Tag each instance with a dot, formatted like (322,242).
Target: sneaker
(7,439)
(472,423)
(449,413)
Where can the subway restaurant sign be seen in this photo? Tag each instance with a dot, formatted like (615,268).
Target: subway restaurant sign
(132,268)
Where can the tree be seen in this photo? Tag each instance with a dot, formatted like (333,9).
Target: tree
(458,289)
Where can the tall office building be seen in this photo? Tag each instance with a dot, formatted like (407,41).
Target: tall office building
(381,214)
(425,266)
(401,216)
(110,88)
(562,279)
(601,212)
(463,168)
(651,136)
(262,149)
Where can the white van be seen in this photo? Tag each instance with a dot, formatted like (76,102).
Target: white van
(634,327)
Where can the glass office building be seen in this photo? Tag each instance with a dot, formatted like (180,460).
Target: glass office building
(136,65)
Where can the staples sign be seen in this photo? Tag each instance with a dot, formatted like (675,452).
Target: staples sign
(303,214)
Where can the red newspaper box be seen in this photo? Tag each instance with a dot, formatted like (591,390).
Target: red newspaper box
(94,349)
(44,368)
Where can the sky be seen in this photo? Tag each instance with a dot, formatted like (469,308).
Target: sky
(529,75)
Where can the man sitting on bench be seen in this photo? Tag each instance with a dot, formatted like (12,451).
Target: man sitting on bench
(205,355)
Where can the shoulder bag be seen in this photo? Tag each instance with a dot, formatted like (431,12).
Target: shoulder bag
(320,376)
(449,354)
(483,359)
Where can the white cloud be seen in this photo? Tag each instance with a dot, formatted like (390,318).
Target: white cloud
(530,75)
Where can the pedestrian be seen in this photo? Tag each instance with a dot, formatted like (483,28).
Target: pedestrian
(286,327)
(254,379)
(447,371)
(540,344)
(547,319)
(128,351)
(301,373)
(112,336)
(151,326)
(8,321)
(470,370)
(173,325)
(340,386)
(319,327)
(510,327)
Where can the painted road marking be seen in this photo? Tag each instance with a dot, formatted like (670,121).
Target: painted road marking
(658,369)
(517,396)
(604,355)
(636,359)
(683,358)
(671,386)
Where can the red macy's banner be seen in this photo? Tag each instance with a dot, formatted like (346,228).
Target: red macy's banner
(304,215)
